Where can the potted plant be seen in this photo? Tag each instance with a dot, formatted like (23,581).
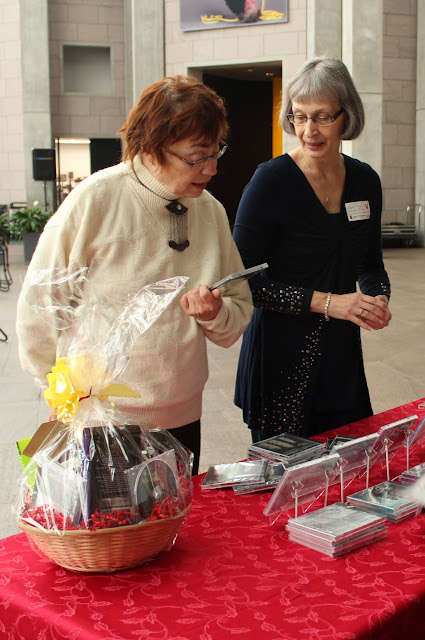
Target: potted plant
(4,229)
(27,224)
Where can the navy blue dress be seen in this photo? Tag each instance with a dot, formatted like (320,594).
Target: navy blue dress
(297,372)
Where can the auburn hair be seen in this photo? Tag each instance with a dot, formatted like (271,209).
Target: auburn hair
(171,110)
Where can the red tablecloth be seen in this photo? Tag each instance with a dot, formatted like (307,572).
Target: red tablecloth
(231,574)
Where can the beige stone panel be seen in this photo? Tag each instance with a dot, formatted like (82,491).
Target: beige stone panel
(9,32)
(64,31)
(250,48)
(392,89)
(15,124)
(109,125)
(409,90)
(400,7)
(409,177)
(85,126)
(58,12)
(4,162)
(401,26)
(172,11)
(10,12)
(10,69)
(93,33)
(225,48)
(16,160)
(74,105)
(406,134)
(13,88)
(180,52)
(400,112)
(280,44)
(397,199)
(400,69)
(61,126)
(11,50)
(407,47)
(111,14)
(398,156)
(84,14)
(203,51)
(116,35)
(14,178)
(392,176)
(105,106)
(389,133)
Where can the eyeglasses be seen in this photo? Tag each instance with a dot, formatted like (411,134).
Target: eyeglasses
(320,121)
(201,161)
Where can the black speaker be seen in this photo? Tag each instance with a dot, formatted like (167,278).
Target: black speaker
(43,164)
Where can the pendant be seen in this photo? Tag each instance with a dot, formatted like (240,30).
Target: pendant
(176,207)
(178,246)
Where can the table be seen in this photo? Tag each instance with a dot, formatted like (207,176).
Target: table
(231,574)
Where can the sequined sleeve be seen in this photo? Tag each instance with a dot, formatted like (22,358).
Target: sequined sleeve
(274,296)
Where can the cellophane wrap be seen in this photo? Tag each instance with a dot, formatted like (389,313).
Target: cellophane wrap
(98,469)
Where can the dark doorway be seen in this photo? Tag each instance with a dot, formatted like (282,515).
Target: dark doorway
(104,152)
(249,108)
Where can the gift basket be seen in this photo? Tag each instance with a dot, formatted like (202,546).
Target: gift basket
(99,492)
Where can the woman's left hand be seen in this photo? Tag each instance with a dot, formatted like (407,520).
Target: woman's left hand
(201,303)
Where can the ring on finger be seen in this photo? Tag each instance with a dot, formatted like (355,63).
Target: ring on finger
(361,311)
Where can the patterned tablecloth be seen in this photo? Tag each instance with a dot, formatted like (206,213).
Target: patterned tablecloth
(231,574)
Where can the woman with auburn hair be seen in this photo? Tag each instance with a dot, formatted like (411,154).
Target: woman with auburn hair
(149,218)
(314,215)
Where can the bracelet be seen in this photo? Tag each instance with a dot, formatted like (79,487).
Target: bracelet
(328,299)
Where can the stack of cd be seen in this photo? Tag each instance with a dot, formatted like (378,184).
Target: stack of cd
(286,448)
(233,473)
(337,529)
(388,499)
(411,475)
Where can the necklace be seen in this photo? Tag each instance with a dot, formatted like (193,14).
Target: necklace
(178,219)
(315,181)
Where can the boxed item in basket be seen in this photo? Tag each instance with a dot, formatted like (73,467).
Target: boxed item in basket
(99,492)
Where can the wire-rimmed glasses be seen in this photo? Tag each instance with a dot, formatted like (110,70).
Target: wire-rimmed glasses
(320,121)
(193,163)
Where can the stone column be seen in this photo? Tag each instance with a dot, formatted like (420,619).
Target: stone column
(362,34)
(36,93)
(144,43)
(420,118)
(324,18)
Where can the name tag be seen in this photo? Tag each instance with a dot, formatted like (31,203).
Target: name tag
(358,210)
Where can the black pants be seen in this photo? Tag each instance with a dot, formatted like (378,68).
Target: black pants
(190,436)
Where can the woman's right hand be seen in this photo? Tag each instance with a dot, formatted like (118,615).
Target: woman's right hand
(368,312)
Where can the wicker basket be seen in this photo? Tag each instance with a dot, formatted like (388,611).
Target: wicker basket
(106,549)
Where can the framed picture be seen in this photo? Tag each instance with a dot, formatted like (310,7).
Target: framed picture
(196,15)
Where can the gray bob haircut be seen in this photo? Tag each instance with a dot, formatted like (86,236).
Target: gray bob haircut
(325,78)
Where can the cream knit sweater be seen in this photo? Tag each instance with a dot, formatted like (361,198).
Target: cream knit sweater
(119,229)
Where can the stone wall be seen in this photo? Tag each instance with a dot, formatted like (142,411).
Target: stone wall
(399,108)
(87,22)
(12,165)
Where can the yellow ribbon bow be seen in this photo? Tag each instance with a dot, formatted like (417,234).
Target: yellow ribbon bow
(72,380)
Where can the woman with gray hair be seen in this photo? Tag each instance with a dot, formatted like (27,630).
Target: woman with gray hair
(314,215)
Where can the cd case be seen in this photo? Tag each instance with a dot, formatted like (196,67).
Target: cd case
(336,522)
(287,448)
(240,275)
(233,473)
(388,498)
(302,483)
(392,436)
(354,455)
